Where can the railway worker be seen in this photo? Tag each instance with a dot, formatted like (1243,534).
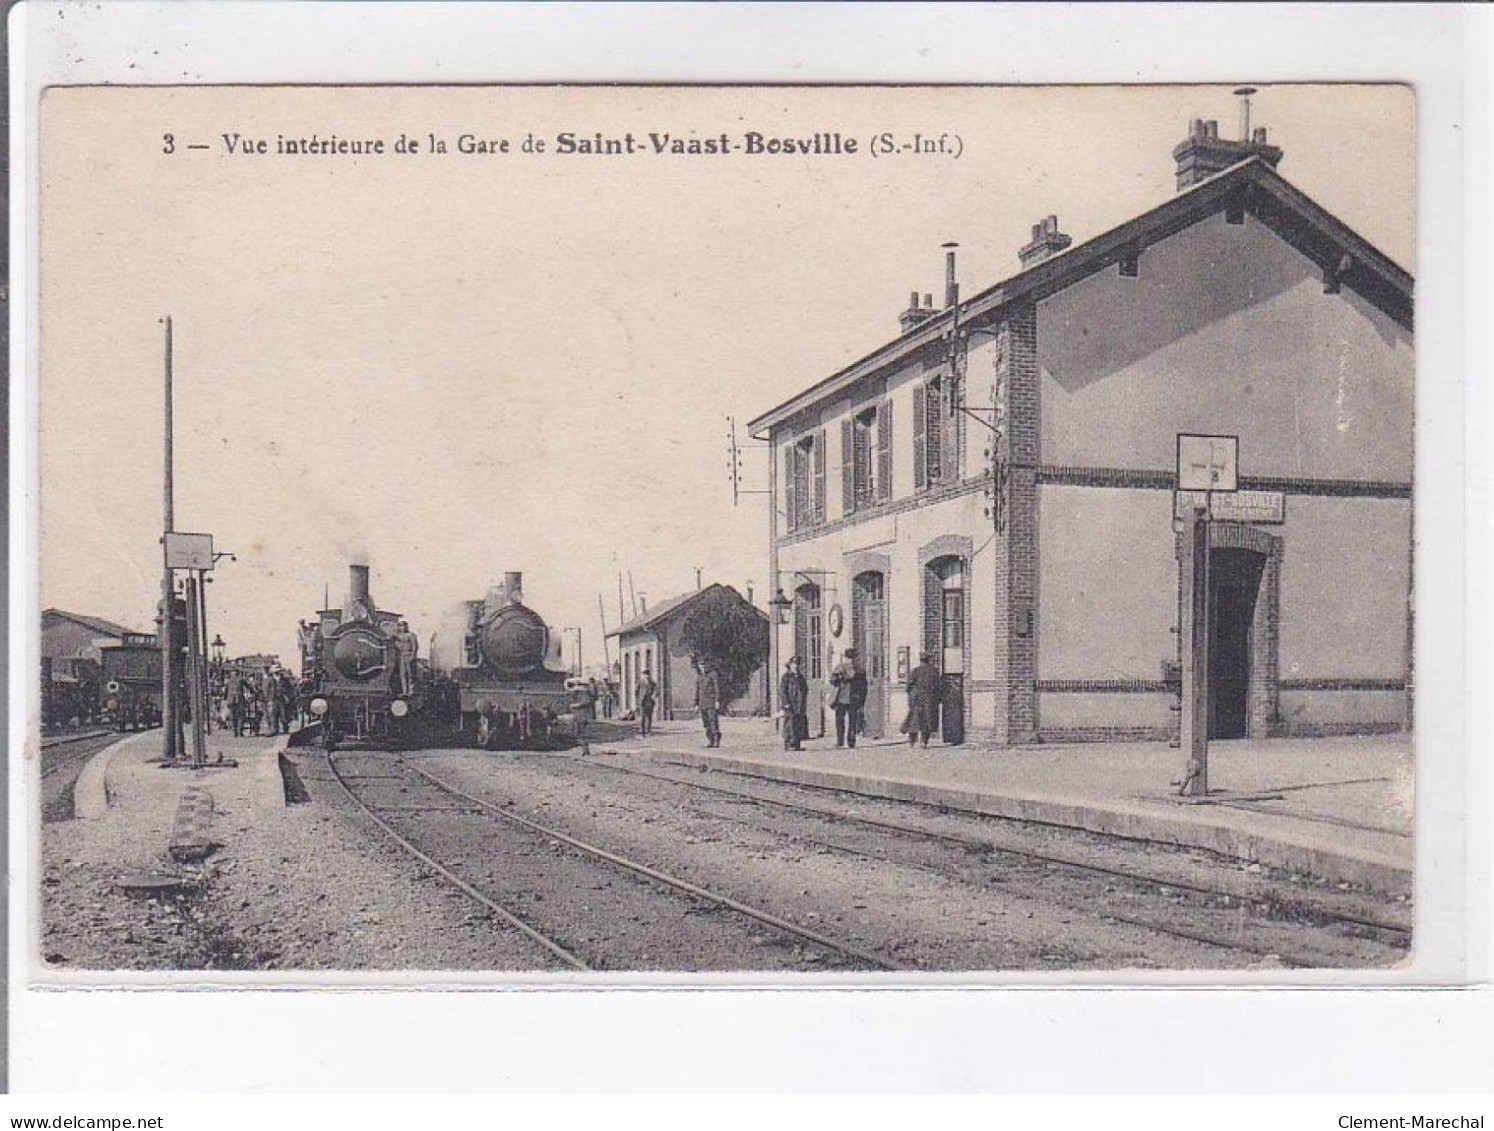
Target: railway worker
(708,700)
(648,691)
(923,701)
(793,697)
(406,648)
(287,692)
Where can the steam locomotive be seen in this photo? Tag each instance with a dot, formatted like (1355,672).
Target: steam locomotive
(361,679)
(130,675)
(504,663)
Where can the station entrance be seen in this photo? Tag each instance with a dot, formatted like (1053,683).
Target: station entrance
(1234,589)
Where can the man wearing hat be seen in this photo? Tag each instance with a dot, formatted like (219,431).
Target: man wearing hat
(923,701)
(793,698)
(849,681)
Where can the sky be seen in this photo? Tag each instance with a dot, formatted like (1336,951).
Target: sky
(452,365)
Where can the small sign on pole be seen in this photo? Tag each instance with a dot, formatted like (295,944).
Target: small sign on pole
(189,551)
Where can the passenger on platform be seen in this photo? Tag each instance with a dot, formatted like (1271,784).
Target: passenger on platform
(407,647)
(271,700)
(849,681)
(708,700)
(923,701)
(287,693)
(793,698)
(648,691)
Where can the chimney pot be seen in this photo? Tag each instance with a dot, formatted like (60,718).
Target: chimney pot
(1046,240)
(1259,136)
(928,300)
(1211,128)
(1203,153)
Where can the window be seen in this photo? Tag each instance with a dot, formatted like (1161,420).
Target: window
(954,618)
(935,436)
(809,632)
(866,457)
(804,481)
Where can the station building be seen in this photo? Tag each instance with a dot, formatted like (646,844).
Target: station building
(996,486)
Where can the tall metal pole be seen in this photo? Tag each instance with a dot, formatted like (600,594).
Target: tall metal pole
(202,640)
(606,648)
(171,738)
(194,668)
(1194,630)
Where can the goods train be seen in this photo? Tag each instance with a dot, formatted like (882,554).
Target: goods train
(130,683)
(504,665)
(361,678)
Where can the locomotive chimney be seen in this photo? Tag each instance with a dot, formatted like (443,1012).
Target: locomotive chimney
(513,585)
(358,583)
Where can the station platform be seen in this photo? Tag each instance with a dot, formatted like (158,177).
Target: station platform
(125,787)
(1338,809)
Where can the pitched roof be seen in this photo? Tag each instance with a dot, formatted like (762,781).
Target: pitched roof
(666,609)
(97,624)
(1251,183)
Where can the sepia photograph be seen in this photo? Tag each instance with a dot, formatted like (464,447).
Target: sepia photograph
(848,534)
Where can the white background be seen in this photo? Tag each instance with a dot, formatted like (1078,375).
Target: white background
(1007,1040)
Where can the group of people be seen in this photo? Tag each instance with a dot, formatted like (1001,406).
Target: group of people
(848,699)
(259,704)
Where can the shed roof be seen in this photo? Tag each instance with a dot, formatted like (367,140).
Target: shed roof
(669,608)
(95,624)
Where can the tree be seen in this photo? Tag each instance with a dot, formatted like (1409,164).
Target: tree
(727,635)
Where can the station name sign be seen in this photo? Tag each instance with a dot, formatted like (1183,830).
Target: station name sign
(1234,506)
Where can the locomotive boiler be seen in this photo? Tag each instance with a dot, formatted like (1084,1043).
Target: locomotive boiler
(360,674)
(505,665)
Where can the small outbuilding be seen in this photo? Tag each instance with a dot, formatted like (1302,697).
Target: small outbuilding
(655,642)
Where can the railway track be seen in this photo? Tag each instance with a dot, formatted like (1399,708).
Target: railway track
(1393,934)
(565,953)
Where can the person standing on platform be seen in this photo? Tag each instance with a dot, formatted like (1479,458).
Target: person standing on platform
(793,698)
(708,699)
(648,691)
(923,701)
(848,679)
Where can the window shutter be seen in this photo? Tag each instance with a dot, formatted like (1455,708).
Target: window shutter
(884,450)
(934,439)
(933,616)
(790,503)
(920,472)
(819,476)
(954,426)
(848,465)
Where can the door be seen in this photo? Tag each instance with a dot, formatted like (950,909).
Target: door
(1234,581)
(809,646)
(869,634)
(945,636)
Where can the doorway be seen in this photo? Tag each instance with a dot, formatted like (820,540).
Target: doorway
(869,637)
(1234,587)
(809,646)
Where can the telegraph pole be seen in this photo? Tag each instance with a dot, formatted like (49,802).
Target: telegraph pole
(170,722)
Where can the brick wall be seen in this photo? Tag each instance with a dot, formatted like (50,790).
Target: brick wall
(1016,375)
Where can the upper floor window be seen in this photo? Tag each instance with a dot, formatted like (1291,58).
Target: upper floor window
(804,481)
(936,435)
(866,457)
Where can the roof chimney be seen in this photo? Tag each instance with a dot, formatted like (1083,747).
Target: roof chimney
(916,315)
(1047,240)
(951,287)
(1204,153)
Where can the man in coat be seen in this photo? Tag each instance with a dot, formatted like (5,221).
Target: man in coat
(648,691)
(406,648)
(924,686)
(849,681)
(793,698)
(708,699)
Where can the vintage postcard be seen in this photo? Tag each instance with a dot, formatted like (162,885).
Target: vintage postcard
(571,533)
